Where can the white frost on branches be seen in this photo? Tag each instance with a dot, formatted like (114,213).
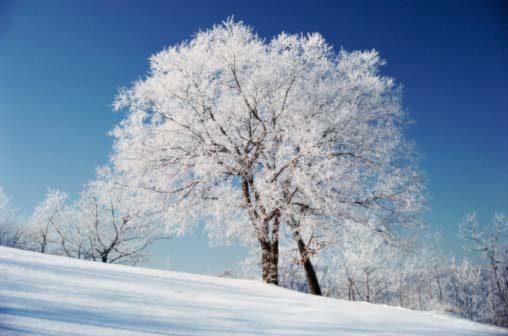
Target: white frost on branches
(251,135)
(105,224)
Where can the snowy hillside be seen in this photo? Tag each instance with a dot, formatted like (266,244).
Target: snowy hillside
(55,296)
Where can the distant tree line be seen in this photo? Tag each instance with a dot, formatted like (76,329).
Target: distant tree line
(102,225)
(361,266)
(364,267)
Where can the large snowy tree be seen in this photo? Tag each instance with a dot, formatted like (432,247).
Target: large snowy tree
(258,138)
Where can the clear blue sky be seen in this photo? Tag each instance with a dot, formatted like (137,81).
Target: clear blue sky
(61,63)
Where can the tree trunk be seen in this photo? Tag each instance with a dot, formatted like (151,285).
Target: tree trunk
(269,247)
(367,286)
(438,279)
(351,289)
(270,261)
(420,296)
(43,243)
(310,273)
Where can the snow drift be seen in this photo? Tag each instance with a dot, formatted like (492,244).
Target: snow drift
(49,295)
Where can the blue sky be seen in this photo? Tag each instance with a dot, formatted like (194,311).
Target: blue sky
(61,63)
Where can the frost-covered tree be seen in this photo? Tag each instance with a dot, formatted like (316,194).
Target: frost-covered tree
(491,241)
(50,216)
(256,137)
(111,223)
(364,255)
(55,228)
(467,290)
(11,232)
(430,273)
(105,224)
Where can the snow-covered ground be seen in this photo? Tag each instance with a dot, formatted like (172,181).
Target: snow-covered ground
(55,296)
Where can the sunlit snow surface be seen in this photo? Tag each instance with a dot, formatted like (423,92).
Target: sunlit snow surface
(48,295)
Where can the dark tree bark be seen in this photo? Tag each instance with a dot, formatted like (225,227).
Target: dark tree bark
(44,241)
(351,290)
(438,280)
(270,261)
(367,285)
(310,272)
(268,240)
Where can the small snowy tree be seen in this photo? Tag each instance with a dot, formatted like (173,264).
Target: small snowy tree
(49,216)
(491,241)
(468,290)
(11,233)
(364,254)
(111,223)
(255,136)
